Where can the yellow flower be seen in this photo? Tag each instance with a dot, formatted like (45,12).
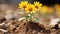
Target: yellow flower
(58,13)
(30,8)
(57,6)
(23,4)
(44,9)
(50,10)
(37,5)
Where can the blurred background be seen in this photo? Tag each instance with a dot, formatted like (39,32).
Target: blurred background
(45,2)
(12,5)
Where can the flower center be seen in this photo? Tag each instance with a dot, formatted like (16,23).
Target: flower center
(36,7)
(24,6)
(30,9)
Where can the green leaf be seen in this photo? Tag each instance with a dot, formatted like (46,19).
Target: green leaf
(27,16)
(37,20)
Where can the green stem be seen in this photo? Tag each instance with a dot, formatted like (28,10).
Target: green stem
(31,17)
(25,15)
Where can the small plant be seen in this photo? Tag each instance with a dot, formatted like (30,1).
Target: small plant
(30,10)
